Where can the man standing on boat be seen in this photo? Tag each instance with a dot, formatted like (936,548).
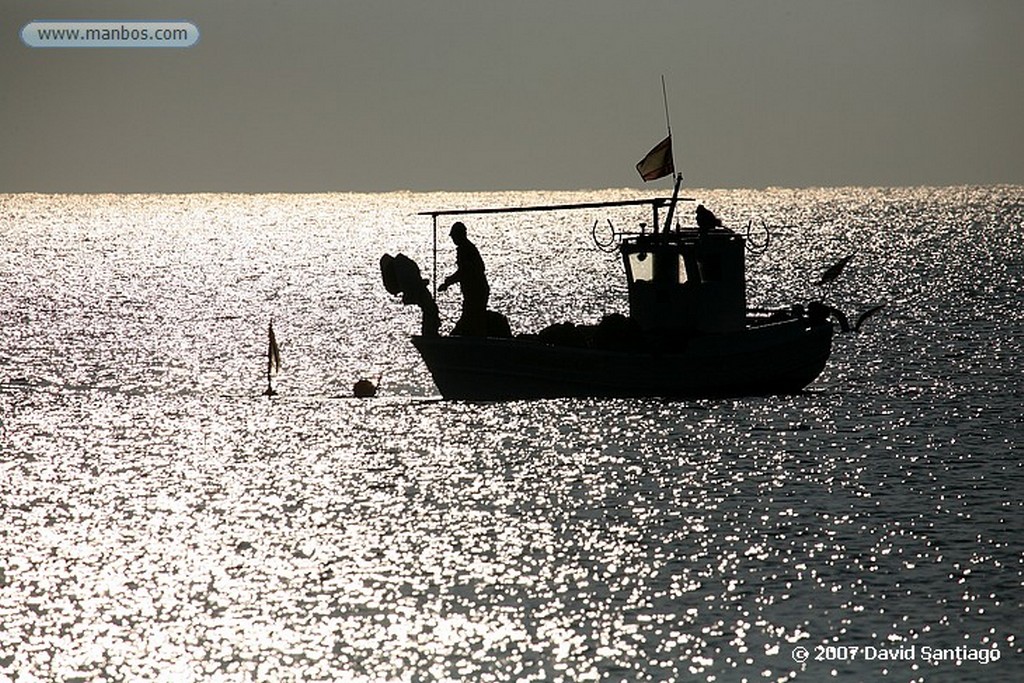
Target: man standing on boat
(473,282)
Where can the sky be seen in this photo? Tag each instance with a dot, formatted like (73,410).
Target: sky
(468,95)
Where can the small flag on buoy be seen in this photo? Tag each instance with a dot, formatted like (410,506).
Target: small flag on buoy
(273,359)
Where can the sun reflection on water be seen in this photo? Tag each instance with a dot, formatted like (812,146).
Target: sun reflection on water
(162,520)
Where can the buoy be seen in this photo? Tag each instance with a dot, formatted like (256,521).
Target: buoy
(364,388)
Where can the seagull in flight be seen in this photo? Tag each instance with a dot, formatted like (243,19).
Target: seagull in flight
(865,315)
(844,323)
(834,270)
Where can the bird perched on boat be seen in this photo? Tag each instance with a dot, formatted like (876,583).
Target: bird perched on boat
(364,388)
(707,221)
(834,270)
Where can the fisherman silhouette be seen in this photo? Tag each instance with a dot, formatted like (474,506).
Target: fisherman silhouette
(706,221)
(472,280)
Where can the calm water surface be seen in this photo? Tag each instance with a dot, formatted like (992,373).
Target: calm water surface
(162,520)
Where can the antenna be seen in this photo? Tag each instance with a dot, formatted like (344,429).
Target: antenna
(664,96)
(668,122)
(672,151)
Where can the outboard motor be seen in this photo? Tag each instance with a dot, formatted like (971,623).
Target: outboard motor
(402,276)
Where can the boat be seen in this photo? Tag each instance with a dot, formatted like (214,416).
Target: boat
(688,334)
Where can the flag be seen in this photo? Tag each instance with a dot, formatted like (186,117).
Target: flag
(658,162)
(273,353)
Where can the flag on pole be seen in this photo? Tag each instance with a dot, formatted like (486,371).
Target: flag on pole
(658,162)
(273,359)
(273,353)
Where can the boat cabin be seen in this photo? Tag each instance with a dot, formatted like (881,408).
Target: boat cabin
(686,281)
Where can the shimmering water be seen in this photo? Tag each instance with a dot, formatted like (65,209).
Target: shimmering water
(162,520)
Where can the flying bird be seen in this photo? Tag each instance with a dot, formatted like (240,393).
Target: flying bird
(844,323)
(865,315)
(834,270)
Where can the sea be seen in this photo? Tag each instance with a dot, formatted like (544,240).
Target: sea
(163,520)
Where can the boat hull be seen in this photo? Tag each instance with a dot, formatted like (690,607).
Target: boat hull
(779,358)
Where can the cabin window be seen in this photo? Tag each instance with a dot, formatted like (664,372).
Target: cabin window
(641,265)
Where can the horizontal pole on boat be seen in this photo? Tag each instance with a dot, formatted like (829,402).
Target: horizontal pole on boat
(654,202)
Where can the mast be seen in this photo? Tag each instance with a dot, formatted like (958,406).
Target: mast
(672,151)
(435,256)
(672,204)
